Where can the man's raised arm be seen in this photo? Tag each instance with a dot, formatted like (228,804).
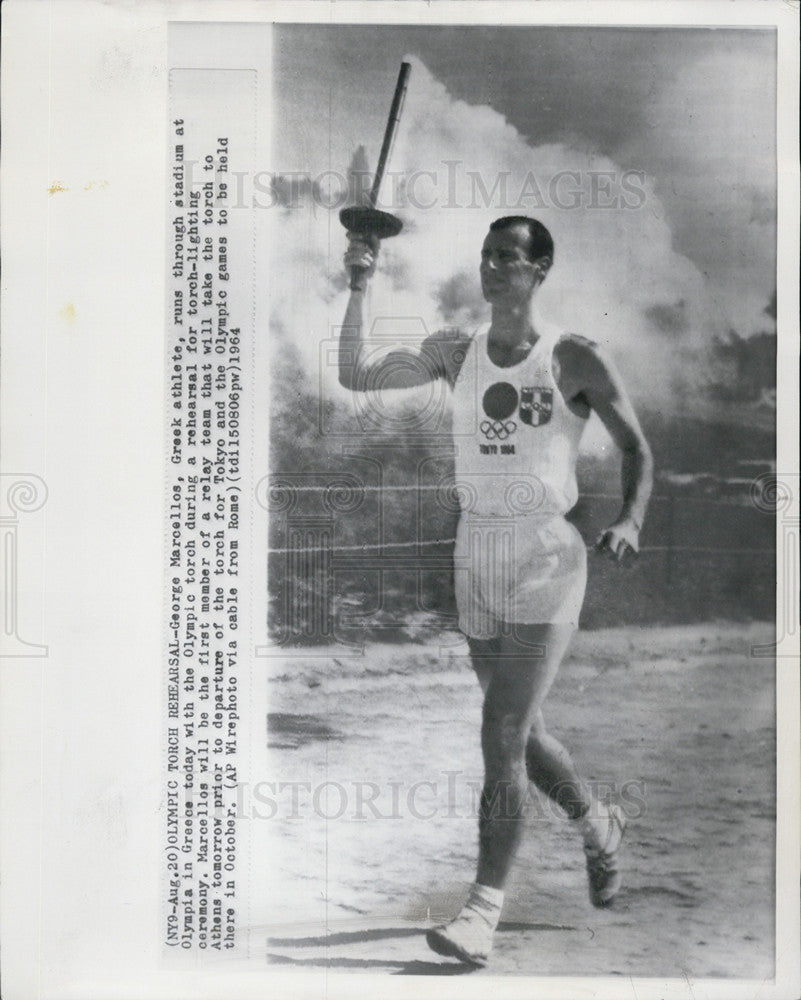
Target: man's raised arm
(400,368)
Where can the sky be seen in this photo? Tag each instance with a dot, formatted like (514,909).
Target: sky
(649,153)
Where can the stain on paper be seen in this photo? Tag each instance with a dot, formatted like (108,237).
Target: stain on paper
(67,313)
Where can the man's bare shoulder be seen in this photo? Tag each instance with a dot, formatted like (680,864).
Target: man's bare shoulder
(573,348)
(448,336)
(449,347)
(585,368)
(577,360)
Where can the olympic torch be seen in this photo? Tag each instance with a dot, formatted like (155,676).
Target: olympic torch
(367,220)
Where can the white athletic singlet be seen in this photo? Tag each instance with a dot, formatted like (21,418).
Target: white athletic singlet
(516,560)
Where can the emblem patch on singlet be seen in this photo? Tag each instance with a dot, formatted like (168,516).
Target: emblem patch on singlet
(499,402)
(536,405)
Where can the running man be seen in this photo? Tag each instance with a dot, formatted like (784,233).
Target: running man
(522,394)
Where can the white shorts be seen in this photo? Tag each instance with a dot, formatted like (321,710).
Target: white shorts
(525,571)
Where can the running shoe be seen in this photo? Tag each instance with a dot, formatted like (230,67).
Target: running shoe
(602,864)
(468,937)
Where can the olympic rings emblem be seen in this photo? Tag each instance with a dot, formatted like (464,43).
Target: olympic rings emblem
(497,429)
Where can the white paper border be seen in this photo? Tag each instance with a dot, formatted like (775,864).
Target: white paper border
(67,430)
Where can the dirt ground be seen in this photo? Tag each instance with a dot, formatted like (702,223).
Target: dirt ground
(376,841)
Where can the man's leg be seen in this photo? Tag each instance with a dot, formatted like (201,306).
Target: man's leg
(548,764)
(550,767)
(518,671)
(601,827)
(521,674)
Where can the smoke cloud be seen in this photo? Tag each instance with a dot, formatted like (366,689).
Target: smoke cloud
(617,277)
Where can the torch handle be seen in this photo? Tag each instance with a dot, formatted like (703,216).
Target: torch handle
(391,130)
(358,278)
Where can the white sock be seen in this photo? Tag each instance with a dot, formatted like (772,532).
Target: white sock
(485,901)
(594,825)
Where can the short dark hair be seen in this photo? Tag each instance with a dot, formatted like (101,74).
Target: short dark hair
(540,242)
